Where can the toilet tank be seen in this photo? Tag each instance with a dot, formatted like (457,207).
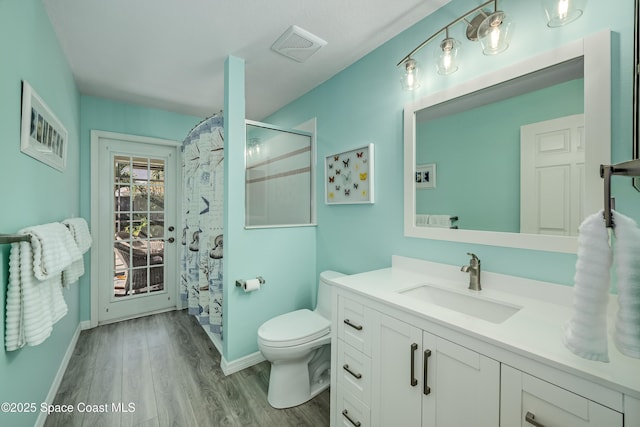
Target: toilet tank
(323,302)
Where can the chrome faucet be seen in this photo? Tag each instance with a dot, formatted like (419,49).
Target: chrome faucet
(474,272)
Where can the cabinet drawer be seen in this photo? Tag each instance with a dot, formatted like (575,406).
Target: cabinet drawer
(354,373)
(354,324)
(351,411)
(529,401)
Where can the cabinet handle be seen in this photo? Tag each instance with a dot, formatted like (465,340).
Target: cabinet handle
(346,368)
(354,326)
(414,380)
(531,419)
(426,389)
(345,413)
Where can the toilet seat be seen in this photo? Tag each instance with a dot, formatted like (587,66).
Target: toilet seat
(294,328)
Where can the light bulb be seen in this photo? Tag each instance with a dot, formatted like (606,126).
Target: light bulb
(561,12)
(446,56)
(563,9)
(494,33)
(409,77)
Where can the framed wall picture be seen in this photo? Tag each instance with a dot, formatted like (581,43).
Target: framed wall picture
(42,135)
(349,176)
(426,176)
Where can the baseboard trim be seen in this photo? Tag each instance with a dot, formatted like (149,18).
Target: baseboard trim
(84,325)
(42,418)
(237,365)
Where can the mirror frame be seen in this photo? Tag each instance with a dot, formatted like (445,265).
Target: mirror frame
(595,51)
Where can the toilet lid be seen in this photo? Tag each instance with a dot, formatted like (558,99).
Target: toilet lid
(294,328)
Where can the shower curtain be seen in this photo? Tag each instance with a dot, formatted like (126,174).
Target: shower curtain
(202,222)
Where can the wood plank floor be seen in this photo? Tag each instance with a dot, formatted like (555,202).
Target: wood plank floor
(166,366)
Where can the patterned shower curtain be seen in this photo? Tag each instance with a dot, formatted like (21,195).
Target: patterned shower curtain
(202,222)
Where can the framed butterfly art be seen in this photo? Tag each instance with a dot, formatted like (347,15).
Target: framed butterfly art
(349,176)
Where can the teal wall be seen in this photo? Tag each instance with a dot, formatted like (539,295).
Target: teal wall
(284,257)
(477,155)
(33,193)
(111,116)
(364,103)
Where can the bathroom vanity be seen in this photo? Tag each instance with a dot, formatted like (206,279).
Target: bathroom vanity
(412,346)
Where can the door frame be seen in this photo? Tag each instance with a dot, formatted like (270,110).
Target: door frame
(96,137)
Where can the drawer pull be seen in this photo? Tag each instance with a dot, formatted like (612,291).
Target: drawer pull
(353,325)
(414,380)
(531,419)
(345,413)
(346,368)
(426,389)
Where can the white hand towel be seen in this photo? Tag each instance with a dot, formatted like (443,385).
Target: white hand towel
(53,249)
(79,229)
(627,264)
(82,237)
(585,334)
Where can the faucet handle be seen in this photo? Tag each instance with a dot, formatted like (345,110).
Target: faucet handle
(473,256)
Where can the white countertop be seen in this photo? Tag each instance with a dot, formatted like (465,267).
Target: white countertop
(535,331)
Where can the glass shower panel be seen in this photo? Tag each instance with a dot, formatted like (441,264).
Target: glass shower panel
(279,176)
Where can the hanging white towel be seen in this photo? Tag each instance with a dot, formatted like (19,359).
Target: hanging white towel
(53,249)
(79,230)
(33,305)
(627,264)
(82,237)
(585,334)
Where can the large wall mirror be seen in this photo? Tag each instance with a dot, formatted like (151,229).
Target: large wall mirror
(512,157)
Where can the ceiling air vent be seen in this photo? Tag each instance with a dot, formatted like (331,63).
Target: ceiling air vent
(298,44)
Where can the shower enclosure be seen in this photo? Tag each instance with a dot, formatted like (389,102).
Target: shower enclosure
(279,184)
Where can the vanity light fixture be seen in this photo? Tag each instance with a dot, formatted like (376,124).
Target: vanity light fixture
(561,12)
(492,29)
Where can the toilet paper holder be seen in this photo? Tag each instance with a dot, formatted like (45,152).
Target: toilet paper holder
(240,283)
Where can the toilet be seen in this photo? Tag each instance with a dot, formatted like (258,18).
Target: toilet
(298,346)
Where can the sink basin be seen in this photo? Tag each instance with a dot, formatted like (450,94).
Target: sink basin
(475,304)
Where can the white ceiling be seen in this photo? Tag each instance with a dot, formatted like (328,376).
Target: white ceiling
(170,54)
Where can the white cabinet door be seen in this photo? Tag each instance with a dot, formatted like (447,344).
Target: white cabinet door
(463,386)
(528,401)
(396,364)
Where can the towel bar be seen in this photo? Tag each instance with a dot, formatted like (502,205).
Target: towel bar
(630,168)
(13,238)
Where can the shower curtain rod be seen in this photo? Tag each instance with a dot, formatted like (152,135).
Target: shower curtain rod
(218,114)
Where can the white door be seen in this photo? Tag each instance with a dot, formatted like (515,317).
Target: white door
(137,185)
(552,155)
